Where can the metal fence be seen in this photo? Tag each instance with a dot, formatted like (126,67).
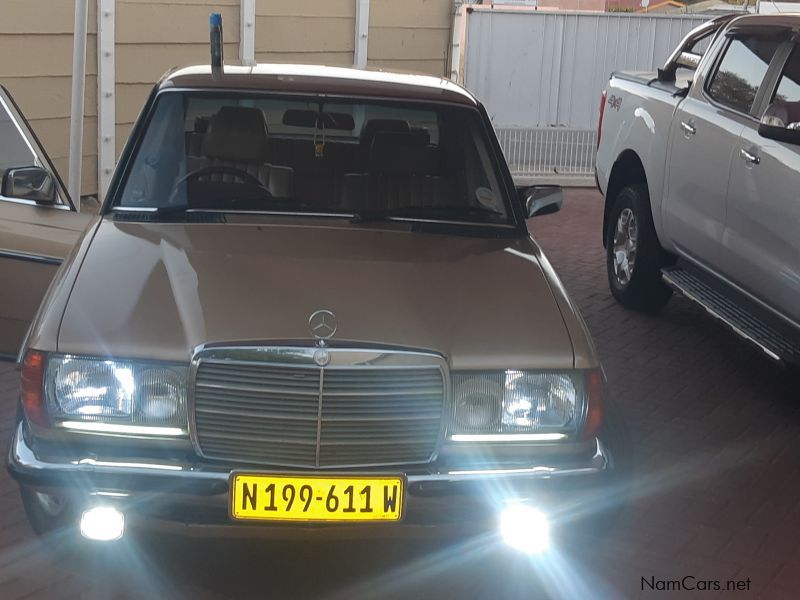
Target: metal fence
(550,152)
(540,75)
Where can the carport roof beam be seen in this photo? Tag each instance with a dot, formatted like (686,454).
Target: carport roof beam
(76,108)
(362,34)
(106,96)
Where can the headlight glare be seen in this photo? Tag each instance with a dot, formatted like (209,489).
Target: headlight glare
(121,394)
(91,389)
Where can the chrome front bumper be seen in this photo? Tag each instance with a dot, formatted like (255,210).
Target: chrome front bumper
(192,497)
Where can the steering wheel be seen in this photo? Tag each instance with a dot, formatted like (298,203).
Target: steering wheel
(215,170)
(220,170)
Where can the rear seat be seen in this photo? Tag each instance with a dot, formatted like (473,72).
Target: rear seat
(404,171)
(317,180)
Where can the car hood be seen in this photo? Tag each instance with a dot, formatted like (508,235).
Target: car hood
(159,290)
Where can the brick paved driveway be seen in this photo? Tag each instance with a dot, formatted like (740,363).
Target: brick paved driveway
(717,436)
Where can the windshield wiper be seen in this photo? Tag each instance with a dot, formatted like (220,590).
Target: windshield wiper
(172,210)
(170,214)
(423,212)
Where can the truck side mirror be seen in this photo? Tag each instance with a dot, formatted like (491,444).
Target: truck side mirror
(30,183)
(541,200)
(781,122)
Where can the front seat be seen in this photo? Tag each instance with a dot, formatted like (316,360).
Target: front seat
(237,137)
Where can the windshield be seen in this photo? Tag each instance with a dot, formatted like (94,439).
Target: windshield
(238,152)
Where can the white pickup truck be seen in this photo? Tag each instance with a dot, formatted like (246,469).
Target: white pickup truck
(699,164)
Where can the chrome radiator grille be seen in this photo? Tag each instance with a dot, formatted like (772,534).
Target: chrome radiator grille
(298,414)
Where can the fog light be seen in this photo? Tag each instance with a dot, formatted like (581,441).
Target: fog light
(525,528)
(102,523)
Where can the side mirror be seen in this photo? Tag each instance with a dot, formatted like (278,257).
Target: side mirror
(542,200)
(30,183)
(781,122)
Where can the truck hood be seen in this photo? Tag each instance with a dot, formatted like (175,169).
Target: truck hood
(159,290)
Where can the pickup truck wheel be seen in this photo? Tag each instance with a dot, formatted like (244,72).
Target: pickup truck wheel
(634,256)
(47,513)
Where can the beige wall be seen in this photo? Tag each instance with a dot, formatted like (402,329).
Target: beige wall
(306,31)
(410,35)
(404,35)
(154,35)
(36,68)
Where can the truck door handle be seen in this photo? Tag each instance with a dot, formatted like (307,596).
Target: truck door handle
(688,128)
(749,157)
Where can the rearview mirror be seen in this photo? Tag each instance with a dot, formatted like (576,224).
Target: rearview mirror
(323,120)
(542,200)
(30,183)
(781,122)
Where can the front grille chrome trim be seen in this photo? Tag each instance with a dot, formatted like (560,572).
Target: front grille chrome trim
(279,361)
(319,415)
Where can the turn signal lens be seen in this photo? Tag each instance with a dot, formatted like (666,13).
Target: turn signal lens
(32,388)
(595,393)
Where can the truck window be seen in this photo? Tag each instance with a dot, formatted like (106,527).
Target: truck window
(789,84)
(741,71)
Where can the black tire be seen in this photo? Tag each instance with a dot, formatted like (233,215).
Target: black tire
(48,513)
(640,287)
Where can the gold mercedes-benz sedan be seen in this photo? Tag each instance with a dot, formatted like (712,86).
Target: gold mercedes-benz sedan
(309,305)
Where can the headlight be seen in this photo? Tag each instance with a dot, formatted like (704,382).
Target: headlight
(539,401)
(110,396)
(476,403)
(517,405)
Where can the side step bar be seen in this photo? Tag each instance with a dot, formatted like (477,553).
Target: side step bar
(740,314)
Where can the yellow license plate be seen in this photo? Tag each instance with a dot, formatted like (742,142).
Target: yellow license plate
(316,498)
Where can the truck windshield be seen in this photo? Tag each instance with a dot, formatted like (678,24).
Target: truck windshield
(368,160)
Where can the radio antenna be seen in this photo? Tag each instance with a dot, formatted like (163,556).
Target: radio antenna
(217,61)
